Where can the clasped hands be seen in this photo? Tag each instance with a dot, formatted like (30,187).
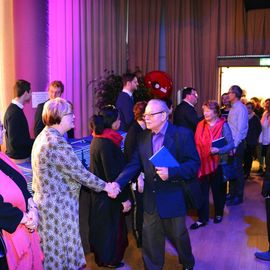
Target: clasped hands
(113,189)
(30,220)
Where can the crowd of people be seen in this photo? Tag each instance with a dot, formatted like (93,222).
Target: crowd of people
(43,231)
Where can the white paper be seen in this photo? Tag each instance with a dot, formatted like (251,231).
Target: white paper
(39,97)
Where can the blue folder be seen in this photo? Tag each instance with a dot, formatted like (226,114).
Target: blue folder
(163,158)
(219,143)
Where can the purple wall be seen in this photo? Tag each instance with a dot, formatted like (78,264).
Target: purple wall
(31,42)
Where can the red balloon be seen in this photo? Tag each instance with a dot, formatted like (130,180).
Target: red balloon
(159,82)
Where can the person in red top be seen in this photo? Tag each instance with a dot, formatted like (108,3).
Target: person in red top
(211,128)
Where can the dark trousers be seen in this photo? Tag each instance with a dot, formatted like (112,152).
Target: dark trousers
(137,216)
(218,187)
(155,229)
(3,264)
(237,185)
(248,158)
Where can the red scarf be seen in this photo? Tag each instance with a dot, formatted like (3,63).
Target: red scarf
(203,139)
(110,134)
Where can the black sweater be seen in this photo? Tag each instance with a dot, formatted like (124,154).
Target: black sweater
(18,141)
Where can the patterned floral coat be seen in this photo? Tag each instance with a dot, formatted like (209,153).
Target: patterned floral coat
(57,178)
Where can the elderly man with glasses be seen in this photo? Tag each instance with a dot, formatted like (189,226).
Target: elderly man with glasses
(164,204)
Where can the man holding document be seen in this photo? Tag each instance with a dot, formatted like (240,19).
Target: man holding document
(164,205)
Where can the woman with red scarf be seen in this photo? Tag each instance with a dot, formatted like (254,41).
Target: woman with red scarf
(108,232)
(211,128)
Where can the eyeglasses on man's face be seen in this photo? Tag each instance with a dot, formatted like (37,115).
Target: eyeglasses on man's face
(71,113)
(151,115)
(194,94)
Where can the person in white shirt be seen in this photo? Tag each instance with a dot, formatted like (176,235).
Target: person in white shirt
(238,122)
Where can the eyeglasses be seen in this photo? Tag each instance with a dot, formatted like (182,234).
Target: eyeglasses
(150,115)
(194,94)
(71,113)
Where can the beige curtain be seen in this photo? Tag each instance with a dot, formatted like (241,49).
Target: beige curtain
(258,31)
(182,30)
(7,70)
(85,38)
(199,31)
(143,34)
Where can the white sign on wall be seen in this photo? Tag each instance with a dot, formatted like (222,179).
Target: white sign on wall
(39,97)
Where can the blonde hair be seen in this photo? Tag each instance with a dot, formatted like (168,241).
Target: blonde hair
(54,110)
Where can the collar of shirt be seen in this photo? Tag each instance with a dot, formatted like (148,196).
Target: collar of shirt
(14,101)
(127,91)
(236,103)
(188,103)
(158,138)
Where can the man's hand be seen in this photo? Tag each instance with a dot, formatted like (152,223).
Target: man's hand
(163,173)
(126,206)
(113,189)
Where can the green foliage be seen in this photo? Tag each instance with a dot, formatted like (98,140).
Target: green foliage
(108,87)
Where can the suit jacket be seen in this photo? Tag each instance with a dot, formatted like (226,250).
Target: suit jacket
(124,105)
(39,125)
(185,116)
(165,197)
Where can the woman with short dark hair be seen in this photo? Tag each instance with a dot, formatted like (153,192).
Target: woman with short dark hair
(108,232)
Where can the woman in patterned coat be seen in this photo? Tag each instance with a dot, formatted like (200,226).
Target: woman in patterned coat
(57,178)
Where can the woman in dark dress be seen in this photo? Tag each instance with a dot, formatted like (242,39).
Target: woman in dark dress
(108,233)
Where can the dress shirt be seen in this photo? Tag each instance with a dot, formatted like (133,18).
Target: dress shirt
(238,122)
(158,138)
(20,105)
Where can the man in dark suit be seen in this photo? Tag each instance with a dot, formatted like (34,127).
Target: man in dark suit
(56,89)
(164,205)
(124,102)
(185,114)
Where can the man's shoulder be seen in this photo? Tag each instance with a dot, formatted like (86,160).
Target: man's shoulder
(122,99)
(40,105)
(12,110)
(180,130)
(184,106)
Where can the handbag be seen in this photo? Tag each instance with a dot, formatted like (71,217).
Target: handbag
(229,169)
(192,193)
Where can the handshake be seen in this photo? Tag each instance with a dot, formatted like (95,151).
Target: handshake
(113,189)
